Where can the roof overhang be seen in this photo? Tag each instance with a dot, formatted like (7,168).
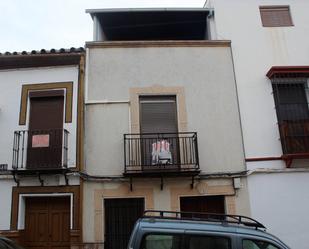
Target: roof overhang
(279,71)
(93,12)
(39,60)
(151,24)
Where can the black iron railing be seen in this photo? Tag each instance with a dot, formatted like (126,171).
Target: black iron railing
(155,152)
(40,149)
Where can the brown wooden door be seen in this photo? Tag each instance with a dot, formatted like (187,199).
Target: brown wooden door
(47,223)
(120,217)
(45,131)
(206,204)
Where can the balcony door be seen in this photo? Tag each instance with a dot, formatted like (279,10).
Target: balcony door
(45,133)
(159,132)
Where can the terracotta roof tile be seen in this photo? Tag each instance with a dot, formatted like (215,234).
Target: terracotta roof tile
(44,51)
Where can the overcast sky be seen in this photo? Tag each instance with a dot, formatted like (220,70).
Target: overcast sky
(37,24)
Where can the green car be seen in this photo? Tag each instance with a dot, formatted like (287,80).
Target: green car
(6,243)
(183,230)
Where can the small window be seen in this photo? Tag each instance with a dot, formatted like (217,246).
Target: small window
(161,241)
(209,242)
(257,244)
(276,16)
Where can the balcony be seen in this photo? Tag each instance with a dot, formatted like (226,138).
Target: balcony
(161,154)
(40,151)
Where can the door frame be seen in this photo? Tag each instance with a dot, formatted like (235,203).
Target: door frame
(22,207)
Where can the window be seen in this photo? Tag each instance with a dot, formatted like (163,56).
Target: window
(161,241)
(158,114)
(276,16)
(257,244)
(291,99)
(209,242)
(158,126)
(203,204)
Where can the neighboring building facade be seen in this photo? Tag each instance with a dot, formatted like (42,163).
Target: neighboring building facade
(270,44)
(162,126)
(41,108)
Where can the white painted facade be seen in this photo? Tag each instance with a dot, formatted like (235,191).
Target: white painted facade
(10,97)
(279,200)
(6,184)
(11,82)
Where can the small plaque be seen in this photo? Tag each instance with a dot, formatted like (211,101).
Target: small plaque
(40,141)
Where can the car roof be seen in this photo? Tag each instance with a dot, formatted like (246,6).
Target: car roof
(150,223)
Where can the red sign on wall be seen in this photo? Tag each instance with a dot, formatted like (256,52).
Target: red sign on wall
(39,141)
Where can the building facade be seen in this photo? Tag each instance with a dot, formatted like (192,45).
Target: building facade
(162,125)
(270,45)
(41,104)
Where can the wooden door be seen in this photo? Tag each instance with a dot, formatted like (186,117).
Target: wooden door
(45,130)
(47,223)
(120,217)
(206,204)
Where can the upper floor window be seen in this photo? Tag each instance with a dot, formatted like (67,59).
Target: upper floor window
(291,99)
(158,124)
(276,16)
(291,95)
(158,114)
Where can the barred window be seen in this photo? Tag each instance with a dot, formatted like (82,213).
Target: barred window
(291,99)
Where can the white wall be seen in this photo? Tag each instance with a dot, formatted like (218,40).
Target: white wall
(11,82)
(256,49)
(6,184)
(279,200)
(281,203)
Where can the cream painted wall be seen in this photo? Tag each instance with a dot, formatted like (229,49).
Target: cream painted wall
(11,82)
(206,73)
(166,199)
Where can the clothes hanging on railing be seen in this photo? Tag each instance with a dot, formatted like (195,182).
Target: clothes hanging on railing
(161,153)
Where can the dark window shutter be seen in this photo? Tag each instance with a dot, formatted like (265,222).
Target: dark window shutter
(291,102)
(158,114)
(276,16)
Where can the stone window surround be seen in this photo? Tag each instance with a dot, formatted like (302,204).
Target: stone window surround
(157,90)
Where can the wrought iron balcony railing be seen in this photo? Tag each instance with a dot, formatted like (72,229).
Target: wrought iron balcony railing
(40,149)
(161,152)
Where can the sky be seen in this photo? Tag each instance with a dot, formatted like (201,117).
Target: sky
(27,25)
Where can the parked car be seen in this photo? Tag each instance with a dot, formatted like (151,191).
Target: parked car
(6,243)
(183,230)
